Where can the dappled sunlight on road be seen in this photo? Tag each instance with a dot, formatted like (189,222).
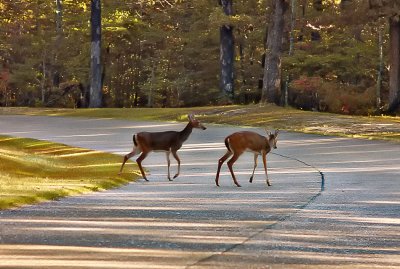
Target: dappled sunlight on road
(322,236)
(155,224)
(356,226)
(51,256)
(191,223)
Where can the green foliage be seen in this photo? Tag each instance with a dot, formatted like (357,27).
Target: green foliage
(154,53)
(166,53)
(344,61)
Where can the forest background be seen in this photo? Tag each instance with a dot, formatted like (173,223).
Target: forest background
(336,56)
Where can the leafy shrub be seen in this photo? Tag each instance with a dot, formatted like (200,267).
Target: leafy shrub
(313,93)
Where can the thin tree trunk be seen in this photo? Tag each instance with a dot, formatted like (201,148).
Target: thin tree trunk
(242,70)
(227,53)
(152,83)
(380,71)
(291,46)
(394,58)
(43,82)
(59,14)
(95,68)
(55,72)
(272,68)
(6,94)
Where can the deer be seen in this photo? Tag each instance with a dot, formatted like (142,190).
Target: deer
(240,142)
(168,142)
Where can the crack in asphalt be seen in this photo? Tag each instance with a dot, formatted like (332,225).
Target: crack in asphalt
(283,218)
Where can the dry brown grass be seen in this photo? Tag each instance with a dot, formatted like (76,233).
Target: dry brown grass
(270,116)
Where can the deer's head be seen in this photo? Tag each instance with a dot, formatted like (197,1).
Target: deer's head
(195,123)
(273,138)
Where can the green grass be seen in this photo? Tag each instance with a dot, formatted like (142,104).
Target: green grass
(270,116)
(33,171)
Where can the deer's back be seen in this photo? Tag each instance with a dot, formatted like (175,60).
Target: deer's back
(246,141)
(159,141)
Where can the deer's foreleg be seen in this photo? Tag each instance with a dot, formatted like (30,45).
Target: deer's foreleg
(139,162)
(254,168)
(264,156)
(174,153)
(230,166)
(220,162)
(128,156)
(169,164)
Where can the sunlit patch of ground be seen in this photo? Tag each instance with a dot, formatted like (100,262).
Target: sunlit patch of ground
(33,171)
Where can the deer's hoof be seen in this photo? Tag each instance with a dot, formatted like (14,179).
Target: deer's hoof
(176,176)
(251,179)
(170,179)
(238,185)
(146,179)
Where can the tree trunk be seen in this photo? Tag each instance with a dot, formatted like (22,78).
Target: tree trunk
(272,68)
(381,66)
(394,62)
(291,47)
(152,83)
(59,28)
(95,64)
(43,81)
(227,52)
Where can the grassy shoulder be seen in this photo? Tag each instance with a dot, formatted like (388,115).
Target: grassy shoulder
(270,116)
(33,171)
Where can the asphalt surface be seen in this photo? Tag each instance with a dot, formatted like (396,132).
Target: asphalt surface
(190,223)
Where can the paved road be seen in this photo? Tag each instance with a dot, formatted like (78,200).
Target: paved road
(190,223)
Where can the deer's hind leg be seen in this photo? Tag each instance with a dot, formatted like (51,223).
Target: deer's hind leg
(230,166)
(220,162)
(139,162)
(134,151)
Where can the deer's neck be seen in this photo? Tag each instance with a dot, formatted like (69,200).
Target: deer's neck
(269,145)
(184,134)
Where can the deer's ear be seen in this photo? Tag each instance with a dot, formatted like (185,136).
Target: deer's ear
(191,117)
(276,132)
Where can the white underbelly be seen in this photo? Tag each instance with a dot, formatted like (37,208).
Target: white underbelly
(252,151)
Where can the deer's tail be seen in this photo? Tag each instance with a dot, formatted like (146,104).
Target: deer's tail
(227,144)
(135,140)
